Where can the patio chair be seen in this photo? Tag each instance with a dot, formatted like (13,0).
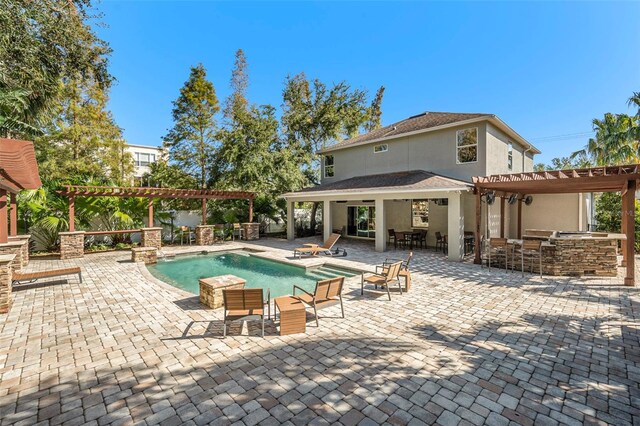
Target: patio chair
(31,277)
(384,279)
(404,269)
(245,304)
(391,235)
(439,241)
(315,249)
(400,239)
(499,247)
(185,231)
(327,293)
(237,231)
(531,248)
(422,238)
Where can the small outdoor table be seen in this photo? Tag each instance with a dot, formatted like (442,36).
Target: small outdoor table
(293,315)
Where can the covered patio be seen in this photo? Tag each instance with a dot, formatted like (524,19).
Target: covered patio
(388,200)
(598,179)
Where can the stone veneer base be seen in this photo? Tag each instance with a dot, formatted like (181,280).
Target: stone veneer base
(211,289)
(6,298)
(148,255)
(71,245)
(204,235)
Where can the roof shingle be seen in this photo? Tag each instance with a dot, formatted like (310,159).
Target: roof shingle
(410,180)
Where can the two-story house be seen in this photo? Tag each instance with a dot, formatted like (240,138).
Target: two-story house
(417,173)
(143,156)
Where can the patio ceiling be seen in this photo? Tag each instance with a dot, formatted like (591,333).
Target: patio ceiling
(595,179)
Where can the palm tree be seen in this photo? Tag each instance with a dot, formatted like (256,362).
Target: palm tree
(613,142)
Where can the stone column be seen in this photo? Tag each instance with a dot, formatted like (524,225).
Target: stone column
(326,219)
(151,237)
(204,235)
(291,225)
(455,225)
(381,232)
(71,244)
(25,247)
(6,299)
(14,248)
(251,231)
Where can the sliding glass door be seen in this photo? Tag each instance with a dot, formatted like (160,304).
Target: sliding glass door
(361,221)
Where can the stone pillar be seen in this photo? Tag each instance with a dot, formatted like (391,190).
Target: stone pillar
(381,232)
(211,289)
(151,237)
(25,247)
(14,248)
(148,255)
(71,244)
(204,235)
(291,222)
(6,299)
(326,219)
(455,232)
(251,231)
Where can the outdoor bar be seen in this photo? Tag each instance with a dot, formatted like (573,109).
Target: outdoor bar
(567,252)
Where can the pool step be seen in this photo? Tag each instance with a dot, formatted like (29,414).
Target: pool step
(338,272)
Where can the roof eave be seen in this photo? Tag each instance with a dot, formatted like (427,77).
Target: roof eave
(371,191)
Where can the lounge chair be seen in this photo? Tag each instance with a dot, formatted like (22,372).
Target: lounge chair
(30,277)
(327,293)
(385,279)
(404,269)
(315,249)
(245,304)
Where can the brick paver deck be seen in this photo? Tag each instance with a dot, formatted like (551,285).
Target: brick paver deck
(465,346)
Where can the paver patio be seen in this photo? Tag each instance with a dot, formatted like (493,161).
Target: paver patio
(465,346)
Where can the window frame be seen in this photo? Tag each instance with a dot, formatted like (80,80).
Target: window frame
(385,145)
(510,156)
(328,166)
(465,146)
(413,215)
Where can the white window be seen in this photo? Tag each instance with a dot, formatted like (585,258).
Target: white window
(328,166)
(381,148)
(510,156)
(144,159)
(467,145)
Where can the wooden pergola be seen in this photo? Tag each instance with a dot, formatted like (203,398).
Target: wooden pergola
(73,191)
(597,179)
(18,171)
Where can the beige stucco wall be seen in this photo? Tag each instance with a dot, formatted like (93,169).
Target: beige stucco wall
(433,151)
(497,149)
(563,212)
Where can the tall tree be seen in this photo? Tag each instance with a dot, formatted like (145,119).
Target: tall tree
(375,112)
(83,139)
(237,103)
(41,44)
(192,141)
(315,115)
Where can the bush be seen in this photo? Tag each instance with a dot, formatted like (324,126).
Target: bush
(609,215)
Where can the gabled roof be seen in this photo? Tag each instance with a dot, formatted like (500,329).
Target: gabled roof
(18,166)
(425,122)
(414,180)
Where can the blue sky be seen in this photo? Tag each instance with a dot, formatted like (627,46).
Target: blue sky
(547,69)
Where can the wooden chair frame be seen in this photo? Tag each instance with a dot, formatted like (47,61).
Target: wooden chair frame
(384,279)
(239,305)
(327,293)
(531,248)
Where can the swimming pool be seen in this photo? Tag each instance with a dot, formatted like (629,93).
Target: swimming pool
(185,271)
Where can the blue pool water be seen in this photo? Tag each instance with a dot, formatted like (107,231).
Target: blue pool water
(185,271)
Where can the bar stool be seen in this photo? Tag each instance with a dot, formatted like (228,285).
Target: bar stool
(500,248)
(531,248)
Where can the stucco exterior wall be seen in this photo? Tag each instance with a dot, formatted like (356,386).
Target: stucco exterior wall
(562,212)
(433,151)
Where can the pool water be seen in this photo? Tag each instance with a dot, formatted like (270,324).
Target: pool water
(185,271)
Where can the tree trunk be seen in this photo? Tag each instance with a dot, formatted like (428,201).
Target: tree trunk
(312,221)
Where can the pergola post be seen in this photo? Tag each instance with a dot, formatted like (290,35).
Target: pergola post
(3,217)
(502,202)
(13,220)
(72,214)
(623,223)
(250,210)
(477,259)
(629,218)
(204,211)
(150,217)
